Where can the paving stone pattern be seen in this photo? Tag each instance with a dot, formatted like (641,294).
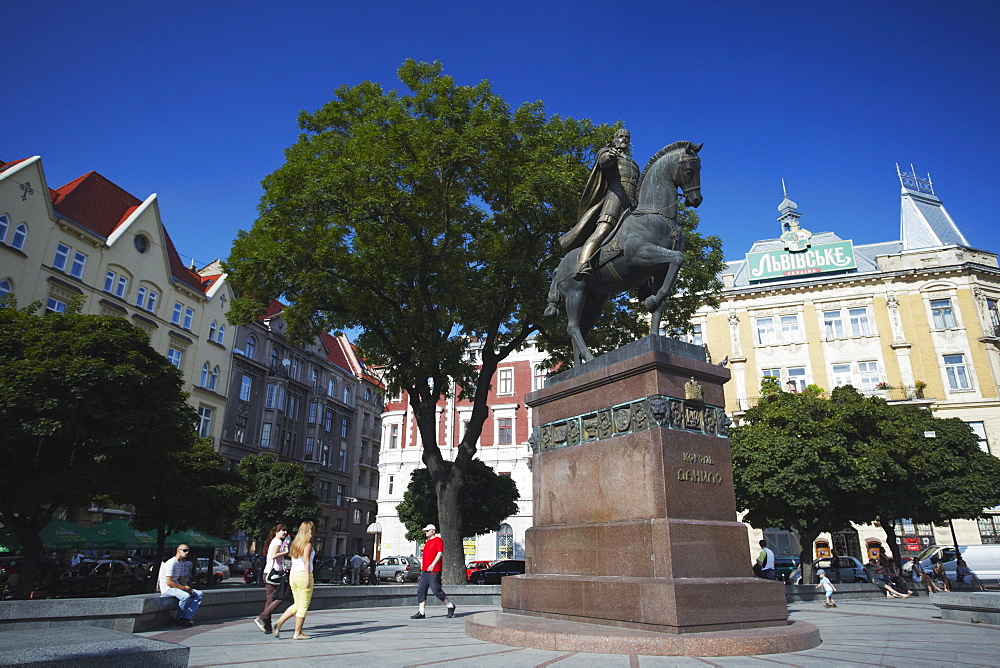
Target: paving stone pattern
(907,633)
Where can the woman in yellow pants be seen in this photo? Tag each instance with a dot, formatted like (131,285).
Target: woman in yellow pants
(300,579)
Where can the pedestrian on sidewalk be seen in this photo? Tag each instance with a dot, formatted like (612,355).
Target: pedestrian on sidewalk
(277,549)
(828,589)
(357,563)
(430,573)
(765,562)
(301,579)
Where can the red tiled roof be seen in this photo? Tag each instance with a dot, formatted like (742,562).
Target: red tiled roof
(337,354)
(95,203)
(6,165)
(273,309)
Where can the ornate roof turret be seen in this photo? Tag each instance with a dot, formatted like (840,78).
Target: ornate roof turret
(787,210)
(923,220)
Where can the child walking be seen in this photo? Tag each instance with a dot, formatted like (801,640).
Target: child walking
(828,589)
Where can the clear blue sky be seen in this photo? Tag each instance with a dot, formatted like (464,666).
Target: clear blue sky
(196,101)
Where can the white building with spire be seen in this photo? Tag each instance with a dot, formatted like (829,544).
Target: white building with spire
(912,319)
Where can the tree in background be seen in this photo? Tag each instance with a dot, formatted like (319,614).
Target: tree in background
(810,465)
(488,500)
(429,220)
(275,492)
(192,491)
(88,409)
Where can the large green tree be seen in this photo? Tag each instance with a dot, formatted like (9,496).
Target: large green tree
(275,492)
(89,409)
(427,219)
(488,500)
(810,464)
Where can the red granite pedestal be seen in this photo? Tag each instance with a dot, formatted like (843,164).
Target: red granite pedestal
(634,515)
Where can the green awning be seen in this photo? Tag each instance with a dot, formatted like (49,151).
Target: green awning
(124,535)
(196,538)
(59,535)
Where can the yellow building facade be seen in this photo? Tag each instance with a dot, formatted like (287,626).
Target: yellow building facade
(913,319)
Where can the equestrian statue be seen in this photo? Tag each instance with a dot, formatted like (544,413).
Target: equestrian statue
(626,237)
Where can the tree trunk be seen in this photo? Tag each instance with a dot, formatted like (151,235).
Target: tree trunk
(27,528)
(806,539)
(453,571)
(889,527)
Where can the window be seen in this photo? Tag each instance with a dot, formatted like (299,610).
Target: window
(4,226)
(79,262)
(348,394)
(204,421)
(505,542)
(188,318)
(797,375)
(392,483)
(213,379)
(178,313)
(357,516)
(693,336)
(331,387)
(505,431)
(109,281)
(174,357)
(251,347)
(368,394)
(345,426)
(324,457)
(538,378)
(269,396)
(393,436)
(20,234)
(211,330)
(310,446)
(842,375)
(980,430)
(5,288)
(868,376)
(54,305)
(204,374)
(265,435)
(220,339)
(957,372)
(790,329)
(240,430)
(293,366)
(833,325)
(246,385)
(505,382)
(342,457)
(859,321)
(765,331)
(328,420)
(141,243)
(292,411)
(315,377)
(339,500)
(942,313)
(115,284)
(140,296)
(994,314)
(989,529)
(62,256)
(151,301)
(773,373)
(145,298)
(313,412)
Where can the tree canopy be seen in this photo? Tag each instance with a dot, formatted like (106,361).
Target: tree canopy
(89,409)
(275,492)
(487,500)
(428,219)
(809,464)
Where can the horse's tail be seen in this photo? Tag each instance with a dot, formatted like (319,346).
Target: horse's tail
(552,310)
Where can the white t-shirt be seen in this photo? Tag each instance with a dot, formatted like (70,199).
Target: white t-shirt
(176,569)
(299,564)
(768,564)
(272,550)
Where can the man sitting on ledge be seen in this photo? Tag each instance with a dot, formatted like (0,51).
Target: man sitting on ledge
(175,574)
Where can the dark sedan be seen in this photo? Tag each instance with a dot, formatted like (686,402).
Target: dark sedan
(498,570)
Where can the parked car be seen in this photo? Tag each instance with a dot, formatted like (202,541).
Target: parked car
(838,569)
(210,571)
(498,570)
(473,566)
(102,577)
(983,560)
(243,562)
(784,567)
(338,569)
(400,569)
(49,572)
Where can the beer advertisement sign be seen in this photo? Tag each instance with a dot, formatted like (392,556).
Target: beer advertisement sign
(816,259)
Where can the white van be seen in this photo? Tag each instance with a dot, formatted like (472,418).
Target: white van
(983,560)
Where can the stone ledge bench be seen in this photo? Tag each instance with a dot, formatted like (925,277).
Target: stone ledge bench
(981,607)
(82,647)
(845,591)
(148,612)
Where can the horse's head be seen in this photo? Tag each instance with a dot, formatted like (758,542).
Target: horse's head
(688,175)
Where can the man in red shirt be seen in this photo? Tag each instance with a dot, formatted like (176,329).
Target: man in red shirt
(430,572)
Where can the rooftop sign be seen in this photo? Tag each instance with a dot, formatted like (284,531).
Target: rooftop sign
(817,259)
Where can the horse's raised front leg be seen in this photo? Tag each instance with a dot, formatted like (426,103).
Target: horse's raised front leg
(575,301)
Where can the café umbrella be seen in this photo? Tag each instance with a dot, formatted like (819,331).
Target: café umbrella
(195,538)
(59,535)
(124,536)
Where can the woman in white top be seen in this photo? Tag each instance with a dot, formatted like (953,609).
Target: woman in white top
(301,580)
(276,550)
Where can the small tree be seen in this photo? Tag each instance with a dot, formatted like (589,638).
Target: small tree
(275,492)
(488,500)
(88,409)
(192,491)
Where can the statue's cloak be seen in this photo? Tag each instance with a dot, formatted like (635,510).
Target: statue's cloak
(590,208)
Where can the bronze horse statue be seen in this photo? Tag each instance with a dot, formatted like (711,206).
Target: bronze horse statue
(644,252)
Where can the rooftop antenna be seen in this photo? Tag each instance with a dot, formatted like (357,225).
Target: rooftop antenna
(783,190)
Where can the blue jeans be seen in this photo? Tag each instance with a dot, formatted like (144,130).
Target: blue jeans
(187,602)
